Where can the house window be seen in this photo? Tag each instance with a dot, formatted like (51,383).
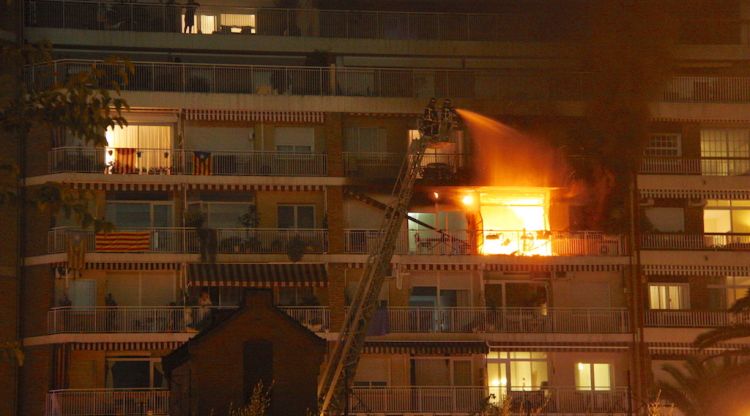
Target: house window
(664,145)
(365,140)
(725,216)
(594,376)
(129,372)
(296,216)
(723,296)
(516,371)
(132,214)
(294,139)
(441,372)
(725,152)
(669,296)
(139,149)
(296,296)
(227,214)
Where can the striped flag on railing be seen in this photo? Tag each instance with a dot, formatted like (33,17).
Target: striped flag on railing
(201,163)
(125,160)
(118,242)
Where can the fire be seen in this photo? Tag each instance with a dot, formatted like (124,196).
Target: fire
(510,221)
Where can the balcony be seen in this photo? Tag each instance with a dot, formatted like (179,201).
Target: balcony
(379,82)
(465,242)
(350,24)
(504,320)
(693,319)
(158,319)
(469,400)
(706,241)
(706,166)
(107,402)
(187,240)
(185,162)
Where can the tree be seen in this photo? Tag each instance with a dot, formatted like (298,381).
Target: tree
(740,311)
(707,387)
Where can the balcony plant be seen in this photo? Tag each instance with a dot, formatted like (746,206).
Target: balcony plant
(251,219)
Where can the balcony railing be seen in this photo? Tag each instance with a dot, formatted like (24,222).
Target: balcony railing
(706,166)
(187,240)
(468,400)
(159,319)
(503,320)
(378,82)
(694,318)
(107,402)
(707,241)
(467,242)
(185,162)
(391,25)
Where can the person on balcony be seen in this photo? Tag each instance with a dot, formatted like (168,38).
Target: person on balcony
(111,314)
(204,309)
(190,7)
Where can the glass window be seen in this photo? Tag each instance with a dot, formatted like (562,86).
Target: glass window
(365,140)
(725,151)
(664,145)
(139,214)
(294,139)
(669,296)
(295,216)
(726,216)
(723,296)
(517,371)
(594,376)
(297,296)
(134,372)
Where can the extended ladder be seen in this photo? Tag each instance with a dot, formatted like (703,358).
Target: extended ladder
(343,361)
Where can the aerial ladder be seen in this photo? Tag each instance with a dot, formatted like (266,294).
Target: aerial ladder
(435,129)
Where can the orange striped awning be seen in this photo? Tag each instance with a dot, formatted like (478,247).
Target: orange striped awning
(258,274)
(124,241)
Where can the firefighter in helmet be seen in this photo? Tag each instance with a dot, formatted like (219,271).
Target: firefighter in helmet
(428,124)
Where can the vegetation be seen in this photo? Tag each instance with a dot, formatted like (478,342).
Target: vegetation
(740,329)
(505,407)
(258,405)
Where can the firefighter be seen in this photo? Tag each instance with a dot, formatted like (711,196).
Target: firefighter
(448,114)
(428,124)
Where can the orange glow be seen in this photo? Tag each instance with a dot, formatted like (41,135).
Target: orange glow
(513,221)
(467,200)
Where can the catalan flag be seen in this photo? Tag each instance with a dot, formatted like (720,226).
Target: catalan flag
(201,163)
(125,160)
(126,241)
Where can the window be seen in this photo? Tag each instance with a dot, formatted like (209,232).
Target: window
(725,216)
(139,214)
(594,376)
(296,296)
(516,371)
(365,140)
(139,149)
(294,139)
(664,145)
(82,292)
(225,214)
(725,295)
(666,220)
(128,372)
(296,216)
(142,288)
(441,372)
(237,23)
(669,296)
(725,151)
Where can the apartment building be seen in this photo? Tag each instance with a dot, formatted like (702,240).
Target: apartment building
(262,147)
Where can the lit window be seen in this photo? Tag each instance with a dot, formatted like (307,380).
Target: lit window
(139,149)
(725,151)
(515,371)
(668,296)
(594,376)
(725,295)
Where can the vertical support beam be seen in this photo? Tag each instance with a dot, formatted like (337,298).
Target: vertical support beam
(334,143)
(336,288)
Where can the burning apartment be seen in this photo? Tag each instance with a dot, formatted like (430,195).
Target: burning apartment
(262,145)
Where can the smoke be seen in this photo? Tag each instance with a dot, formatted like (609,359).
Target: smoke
(506,157)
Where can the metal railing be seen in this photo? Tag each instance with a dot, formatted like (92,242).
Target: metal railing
(503,320)
(707,166)
(693,318)
(467,242)
(469,400)
(159,319)
(378,82)
(706,241)
(107,402)
(372,164)
(391,25)
(185,162)
(189,240)
(326,81)
(315,318)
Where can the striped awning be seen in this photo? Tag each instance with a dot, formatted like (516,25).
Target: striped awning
(668,349)
(695,193)
(560,347)
(258,274)
(130,186)
(120,266)
(699,270)
(126,346)
(514,267)
(426,347)
(265,116)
